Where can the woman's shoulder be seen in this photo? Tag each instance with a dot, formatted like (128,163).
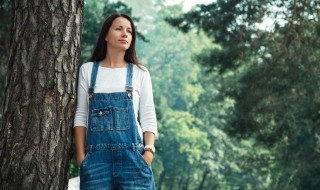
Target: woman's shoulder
(86,65)
(141,69)
(85,69)
(141,73)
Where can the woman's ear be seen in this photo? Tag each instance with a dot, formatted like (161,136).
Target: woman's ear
(106,38)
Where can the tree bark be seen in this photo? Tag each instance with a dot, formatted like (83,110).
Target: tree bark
(36,134)
(5,30)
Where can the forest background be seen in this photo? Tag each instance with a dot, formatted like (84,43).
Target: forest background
(236,87)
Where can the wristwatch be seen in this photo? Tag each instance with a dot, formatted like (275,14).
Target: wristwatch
(150,147)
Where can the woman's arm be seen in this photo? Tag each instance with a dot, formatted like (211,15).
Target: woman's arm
(81,115)
(147,115)
(80,142)
(149,139)
(147,111)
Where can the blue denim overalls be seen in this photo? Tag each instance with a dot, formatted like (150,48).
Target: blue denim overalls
(114,148)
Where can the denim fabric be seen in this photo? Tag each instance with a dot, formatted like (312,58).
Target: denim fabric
(114,148)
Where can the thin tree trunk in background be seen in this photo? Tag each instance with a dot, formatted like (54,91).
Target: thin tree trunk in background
(204,177)
(171,184)
(36,138)
(180,183)
(162,176)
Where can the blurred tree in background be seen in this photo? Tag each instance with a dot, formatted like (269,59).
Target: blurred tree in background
(272,75)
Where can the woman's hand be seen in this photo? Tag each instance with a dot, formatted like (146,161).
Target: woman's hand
(80,141)
(149,139)
(148,157)
(80,159)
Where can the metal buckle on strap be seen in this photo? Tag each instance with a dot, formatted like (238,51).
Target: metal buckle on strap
(129,91)
(91,90)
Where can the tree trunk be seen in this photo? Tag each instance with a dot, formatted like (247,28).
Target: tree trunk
(187,183)
(204,177)
(36,138)
(162,176)
(180,182)
(5,30)
(171,186)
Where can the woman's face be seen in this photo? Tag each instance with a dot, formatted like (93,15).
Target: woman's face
(120,34)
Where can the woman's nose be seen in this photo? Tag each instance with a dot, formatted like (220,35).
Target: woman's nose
(124,34)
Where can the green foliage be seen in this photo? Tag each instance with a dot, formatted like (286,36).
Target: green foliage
(74,168)
(272,76)
(175,76)
(230,25)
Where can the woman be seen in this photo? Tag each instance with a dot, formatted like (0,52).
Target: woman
(113,150)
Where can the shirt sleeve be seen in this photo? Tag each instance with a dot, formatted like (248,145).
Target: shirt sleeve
(147,111)
(81,115)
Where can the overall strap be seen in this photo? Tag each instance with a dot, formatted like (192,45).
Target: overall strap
(93,79)
(129,87)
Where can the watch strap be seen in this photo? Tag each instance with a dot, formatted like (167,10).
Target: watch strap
(150,147)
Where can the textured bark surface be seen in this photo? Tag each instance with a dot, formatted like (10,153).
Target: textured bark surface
(36,136)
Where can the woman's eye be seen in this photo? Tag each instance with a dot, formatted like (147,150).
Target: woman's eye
(130,31)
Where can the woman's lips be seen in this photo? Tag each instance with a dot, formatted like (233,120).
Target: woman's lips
(123,41)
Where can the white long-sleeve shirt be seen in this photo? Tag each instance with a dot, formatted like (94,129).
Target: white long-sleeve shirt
(111,80)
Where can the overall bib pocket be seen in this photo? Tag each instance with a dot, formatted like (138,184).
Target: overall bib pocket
(110,118)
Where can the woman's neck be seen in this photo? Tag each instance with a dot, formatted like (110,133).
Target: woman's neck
(114,60)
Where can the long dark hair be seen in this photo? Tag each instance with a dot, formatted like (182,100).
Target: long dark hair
(100,50)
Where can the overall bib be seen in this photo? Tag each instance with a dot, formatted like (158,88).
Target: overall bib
(113,146)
